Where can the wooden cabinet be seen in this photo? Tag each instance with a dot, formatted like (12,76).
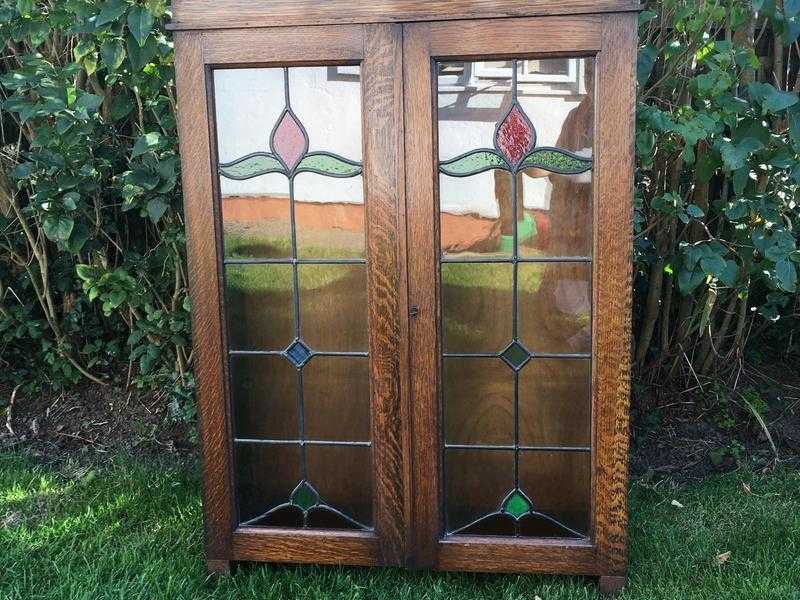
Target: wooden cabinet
(409,233)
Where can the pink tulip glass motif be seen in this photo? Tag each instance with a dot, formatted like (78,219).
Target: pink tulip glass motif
(515,136)
(289,141)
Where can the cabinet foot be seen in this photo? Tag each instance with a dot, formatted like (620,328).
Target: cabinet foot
(219,567)
(611,585)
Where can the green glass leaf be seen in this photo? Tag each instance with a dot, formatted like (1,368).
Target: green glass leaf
(557,161)
(516,504)
(472,163)
(305,496)
(328,164)
(251,165)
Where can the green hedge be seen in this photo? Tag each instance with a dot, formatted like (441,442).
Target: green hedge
(92,257)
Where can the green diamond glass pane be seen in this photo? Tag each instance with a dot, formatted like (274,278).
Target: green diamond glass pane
(474,162)
(327,164)
(251,166)
(557,161)
(305,496)
(517,504)
(515,355)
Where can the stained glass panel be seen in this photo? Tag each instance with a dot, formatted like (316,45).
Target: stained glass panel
(292,207)
(515,224)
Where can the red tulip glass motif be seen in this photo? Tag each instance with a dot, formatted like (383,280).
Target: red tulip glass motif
(515,136)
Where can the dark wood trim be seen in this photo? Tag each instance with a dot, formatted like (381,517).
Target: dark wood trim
(215,14)
(282,47)
(612,289)
(382,101)
(306,546)
(201,247)
(475,553)
(422,288)
(515,37)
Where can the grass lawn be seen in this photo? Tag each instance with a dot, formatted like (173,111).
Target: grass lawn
(132,529)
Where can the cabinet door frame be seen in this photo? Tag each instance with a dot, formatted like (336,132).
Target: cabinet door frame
(611,40)
(378,50)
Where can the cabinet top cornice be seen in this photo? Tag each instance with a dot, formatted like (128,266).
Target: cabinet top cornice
(228,14)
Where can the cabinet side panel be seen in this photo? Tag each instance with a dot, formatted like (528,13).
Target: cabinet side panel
(612,286)
(193,131)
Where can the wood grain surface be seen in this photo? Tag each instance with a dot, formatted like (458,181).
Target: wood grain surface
(612,286)
(383,181)
(216,14)
(204,288)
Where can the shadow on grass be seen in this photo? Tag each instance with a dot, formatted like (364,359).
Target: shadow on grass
(128,529)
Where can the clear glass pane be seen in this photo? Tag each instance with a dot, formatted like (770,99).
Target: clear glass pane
(478,395)
(336,398)
(258,226)
(259,306)
(333,307)
(476,306)
(343,477)
(559,485)
(555,306)
(555,404)
(329,216)
(469,106)
(476,481)
(327,101)
(264,393)
(557,96)
(266,474)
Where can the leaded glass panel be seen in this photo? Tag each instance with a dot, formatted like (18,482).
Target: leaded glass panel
(292,222)
(515,221)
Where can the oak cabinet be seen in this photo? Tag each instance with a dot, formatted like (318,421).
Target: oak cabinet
(408,230)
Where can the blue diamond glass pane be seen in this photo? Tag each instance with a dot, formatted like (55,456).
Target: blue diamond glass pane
(515,355)
(298,353)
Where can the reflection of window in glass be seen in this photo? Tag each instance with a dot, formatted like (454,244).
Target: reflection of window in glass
(564,70)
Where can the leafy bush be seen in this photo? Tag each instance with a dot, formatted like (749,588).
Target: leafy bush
(92,269)
(717,143)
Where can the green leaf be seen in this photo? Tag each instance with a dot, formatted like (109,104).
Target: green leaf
(786,273)
(85,272)
(712,265)
(473,162)
(88,103)
(25,7)
(156,208)
(140,22)
(556,160)
(138,55)
(112,53)
(57,227)
(84,47)
(730,274)
(145,142)
(772,99)
(791,7)
(78,238)
(90,63)
(688,280)
(70,200)
(251,165)
(646,62)
(694,211)
(735,155)
(328,164)
(112,10)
